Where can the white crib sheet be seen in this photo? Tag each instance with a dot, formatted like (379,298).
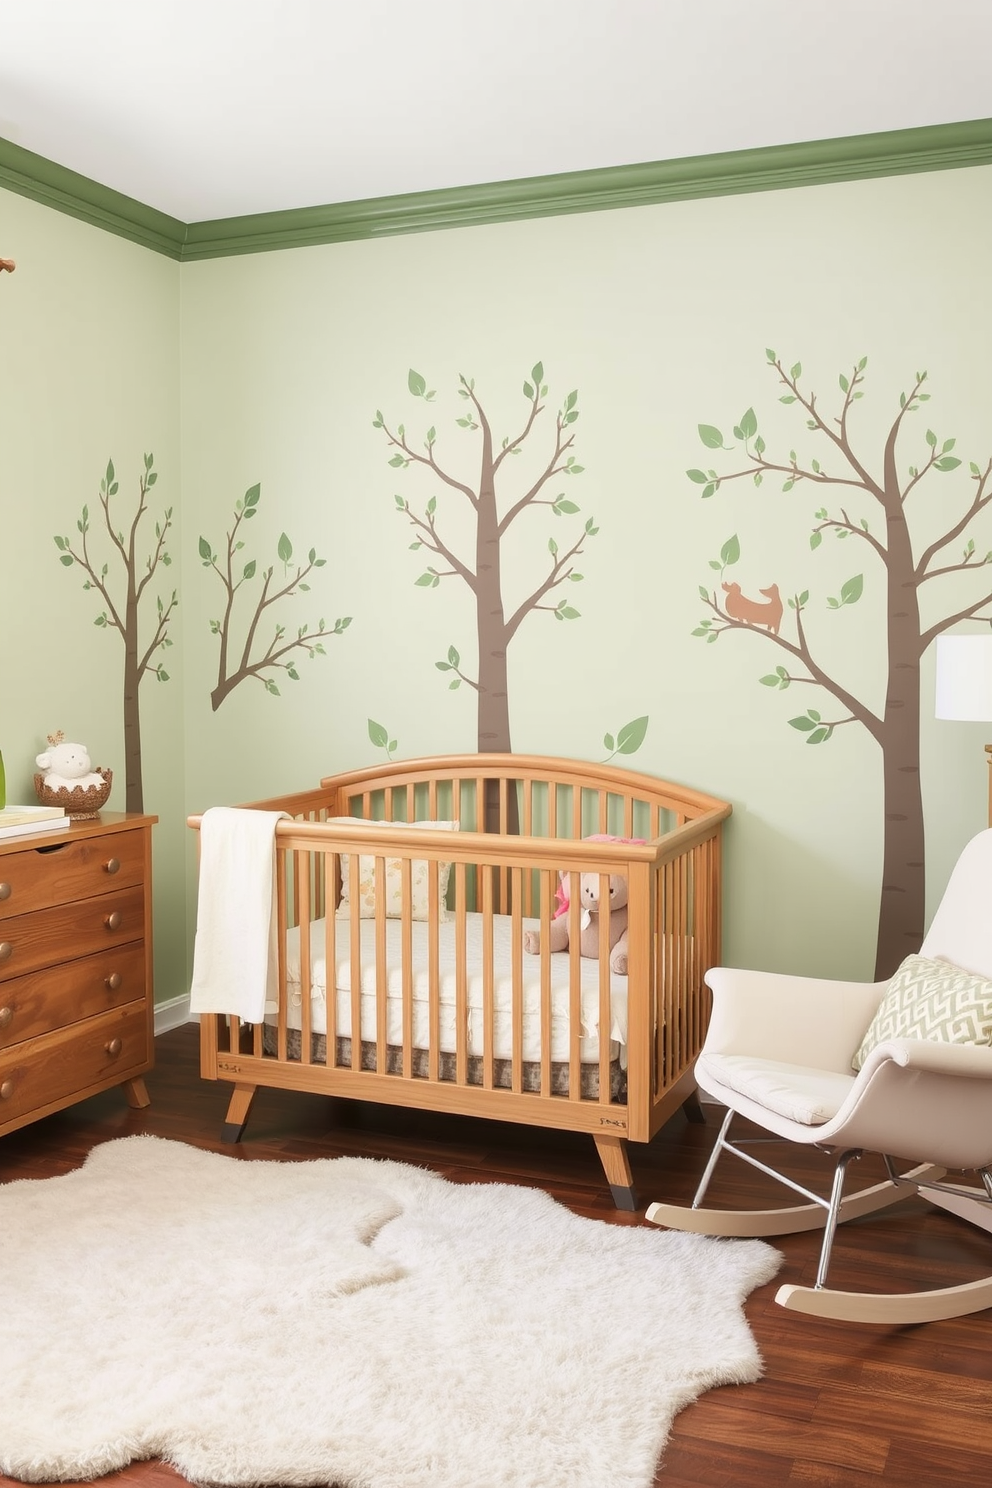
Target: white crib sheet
(502,989)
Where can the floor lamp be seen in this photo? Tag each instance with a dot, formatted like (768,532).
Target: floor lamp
(964,684)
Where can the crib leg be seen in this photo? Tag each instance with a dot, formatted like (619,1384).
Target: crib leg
(693,1110)
(616,1165)
(237,1112)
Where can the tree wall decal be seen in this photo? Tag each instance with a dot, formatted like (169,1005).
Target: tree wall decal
(496,506)
(122,614)
(258,659)
(883,503)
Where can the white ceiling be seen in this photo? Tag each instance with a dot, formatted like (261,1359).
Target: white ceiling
(213,108)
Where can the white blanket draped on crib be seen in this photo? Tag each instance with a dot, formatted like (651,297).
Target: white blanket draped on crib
(234,954)
(447,969)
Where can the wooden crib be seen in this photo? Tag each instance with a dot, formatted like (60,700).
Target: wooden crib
(425,930)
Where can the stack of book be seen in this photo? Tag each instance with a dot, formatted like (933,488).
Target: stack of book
(25,821)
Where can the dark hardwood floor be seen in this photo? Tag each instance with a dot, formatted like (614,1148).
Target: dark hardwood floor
(838,1404)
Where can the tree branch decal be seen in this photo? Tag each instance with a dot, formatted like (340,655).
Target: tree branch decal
(888,497)
(495,508)
(256,660)
(121,611)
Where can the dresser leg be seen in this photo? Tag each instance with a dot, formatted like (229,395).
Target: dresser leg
(237,1112)
(136,1094)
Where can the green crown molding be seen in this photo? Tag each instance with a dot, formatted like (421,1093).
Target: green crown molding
(55,186)
(771,168)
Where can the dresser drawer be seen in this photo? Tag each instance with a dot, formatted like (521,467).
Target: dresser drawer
(60,995)
(73,1062)
(40,875)
(49,937)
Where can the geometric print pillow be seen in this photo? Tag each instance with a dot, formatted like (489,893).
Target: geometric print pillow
(931,1000)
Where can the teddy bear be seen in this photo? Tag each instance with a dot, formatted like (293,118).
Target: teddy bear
(589,888)
(67,766)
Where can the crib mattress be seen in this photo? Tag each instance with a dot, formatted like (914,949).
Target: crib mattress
(531,1074)
(502,1037)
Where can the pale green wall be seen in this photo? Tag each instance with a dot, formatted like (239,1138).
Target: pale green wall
(89,338)
(660,317)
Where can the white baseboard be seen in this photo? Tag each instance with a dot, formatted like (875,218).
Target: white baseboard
(171,1014)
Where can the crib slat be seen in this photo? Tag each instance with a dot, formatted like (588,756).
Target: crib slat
(282,908)
(488,1030)
(461,979)
(301,869)
(605,1006)
(355,977)
(331,872)
(406,964)
(575,984)
(549,885)
(381,1005)
(433,967)
(516,988)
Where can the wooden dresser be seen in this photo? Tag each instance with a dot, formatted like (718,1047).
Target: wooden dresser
(75,965)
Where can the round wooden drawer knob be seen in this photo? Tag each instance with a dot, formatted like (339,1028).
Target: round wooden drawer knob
(114,1047)
(114,920)
(113,866)
(6,950)
(113,981)
(6,1090)
(6,1017)
(4,890)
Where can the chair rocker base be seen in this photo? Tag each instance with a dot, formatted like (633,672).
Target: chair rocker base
(894,1308)
(793,1220)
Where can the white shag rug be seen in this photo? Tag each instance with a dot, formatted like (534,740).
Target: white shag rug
(352,1322)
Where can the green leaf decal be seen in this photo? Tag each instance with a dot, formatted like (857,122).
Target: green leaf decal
(285,549)
(711,437)
(731,551)
(378,734)
(631,736)
(416,383)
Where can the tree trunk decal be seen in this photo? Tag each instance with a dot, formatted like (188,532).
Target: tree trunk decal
(882,532)
(122,614)
(496,620)
(258,660)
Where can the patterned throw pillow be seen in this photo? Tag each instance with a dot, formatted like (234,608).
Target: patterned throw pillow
(931,1000)
(419,877)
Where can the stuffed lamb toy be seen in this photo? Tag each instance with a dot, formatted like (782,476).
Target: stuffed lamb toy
(67,766)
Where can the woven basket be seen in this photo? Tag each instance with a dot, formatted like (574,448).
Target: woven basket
(80,804)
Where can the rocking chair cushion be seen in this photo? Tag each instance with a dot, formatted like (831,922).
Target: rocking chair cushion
(932,1000)
(809,1096)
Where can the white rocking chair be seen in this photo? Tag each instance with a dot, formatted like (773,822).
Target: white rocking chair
(779,1051)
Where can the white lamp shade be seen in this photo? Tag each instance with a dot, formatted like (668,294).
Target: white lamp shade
(964,678)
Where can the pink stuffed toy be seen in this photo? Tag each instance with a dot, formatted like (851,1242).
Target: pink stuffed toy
(589,886)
